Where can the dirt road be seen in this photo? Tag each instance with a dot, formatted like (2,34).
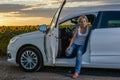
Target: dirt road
(13,72)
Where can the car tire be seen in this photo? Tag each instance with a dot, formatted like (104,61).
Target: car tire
(30,59)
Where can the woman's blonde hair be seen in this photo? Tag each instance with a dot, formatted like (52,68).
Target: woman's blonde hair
(82,17)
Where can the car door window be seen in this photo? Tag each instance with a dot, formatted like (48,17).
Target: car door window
(113,23)
(110,19)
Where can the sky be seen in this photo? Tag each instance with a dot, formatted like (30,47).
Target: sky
(37,12)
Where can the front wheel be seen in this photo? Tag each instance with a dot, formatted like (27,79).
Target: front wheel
(30,59)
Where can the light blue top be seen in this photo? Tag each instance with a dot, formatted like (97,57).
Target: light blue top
(80,38)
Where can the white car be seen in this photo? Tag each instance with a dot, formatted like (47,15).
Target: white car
(46,47)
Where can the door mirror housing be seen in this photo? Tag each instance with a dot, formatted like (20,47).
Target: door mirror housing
(43,28)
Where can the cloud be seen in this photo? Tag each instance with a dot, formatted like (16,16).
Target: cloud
(10,14)
(44,8)
(11,7)
(29,2)
(17,10)
(28,8)
(47,12)
(36,11)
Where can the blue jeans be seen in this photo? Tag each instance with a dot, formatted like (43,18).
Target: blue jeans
(79,52)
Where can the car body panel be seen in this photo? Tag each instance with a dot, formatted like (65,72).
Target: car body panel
(52,45)
(104,46)
(33,38)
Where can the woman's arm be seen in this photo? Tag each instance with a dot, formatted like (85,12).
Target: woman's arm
(73,38)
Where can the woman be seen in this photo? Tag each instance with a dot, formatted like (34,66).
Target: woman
(77,42)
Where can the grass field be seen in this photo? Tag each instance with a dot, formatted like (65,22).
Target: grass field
(7,32)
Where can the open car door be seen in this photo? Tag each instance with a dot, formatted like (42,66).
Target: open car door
(51,39)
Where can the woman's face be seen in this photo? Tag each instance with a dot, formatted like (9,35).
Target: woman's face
(83,22)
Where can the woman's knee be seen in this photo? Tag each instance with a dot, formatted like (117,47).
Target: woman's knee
(79,53)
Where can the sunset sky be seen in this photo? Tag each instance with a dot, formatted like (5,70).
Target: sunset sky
(36,12)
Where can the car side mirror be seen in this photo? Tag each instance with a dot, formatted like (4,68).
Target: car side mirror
(43,28)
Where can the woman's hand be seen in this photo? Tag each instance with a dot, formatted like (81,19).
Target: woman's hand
(67,48)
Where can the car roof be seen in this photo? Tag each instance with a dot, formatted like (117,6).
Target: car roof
(92,10)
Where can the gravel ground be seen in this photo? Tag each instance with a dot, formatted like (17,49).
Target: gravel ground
(13,72)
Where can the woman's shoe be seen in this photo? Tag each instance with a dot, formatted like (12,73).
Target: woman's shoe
(75,75)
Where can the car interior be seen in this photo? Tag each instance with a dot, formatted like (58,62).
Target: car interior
(66,30)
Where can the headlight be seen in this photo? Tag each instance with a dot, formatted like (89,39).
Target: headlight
(14,39)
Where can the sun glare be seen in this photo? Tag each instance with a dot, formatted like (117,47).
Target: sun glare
(18,21)
(2,22)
